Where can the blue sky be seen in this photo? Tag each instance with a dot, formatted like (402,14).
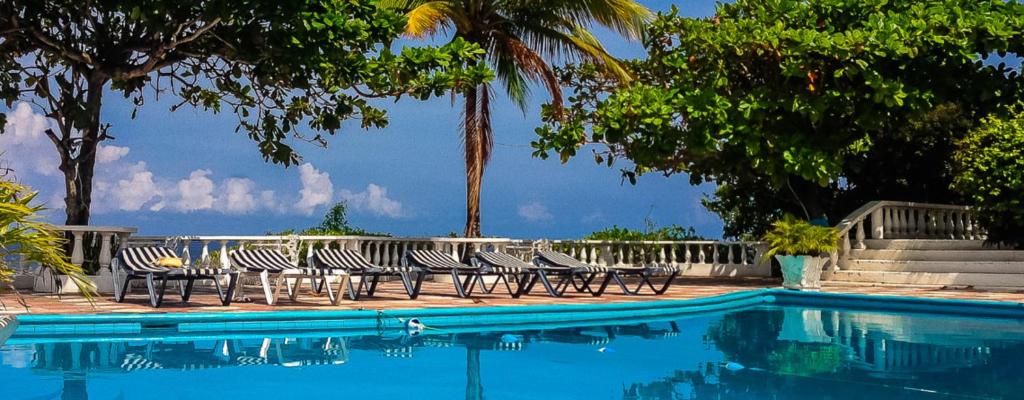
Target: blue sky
(187,172)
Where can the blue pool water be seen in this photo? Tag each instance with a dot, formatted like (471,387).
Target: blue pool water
(759,352)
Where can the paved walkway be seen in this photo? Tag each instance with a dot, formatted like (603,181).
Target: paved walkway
(437,295)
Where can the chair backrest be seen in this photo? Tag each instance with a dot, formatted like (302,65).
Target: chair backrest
(433,259)
(260,259)
(342,259)
(498,259)
(144,258)
(560,259)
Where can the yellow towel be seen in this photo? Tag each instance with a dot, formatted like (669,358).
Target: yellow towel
(169,262)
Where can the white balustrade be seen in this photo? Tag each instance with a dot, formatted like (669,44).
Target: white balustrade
(683,254)
(91,247)
(905,220)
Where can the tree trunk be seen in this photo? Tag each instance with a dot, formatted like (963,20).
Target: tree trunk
(808,196)
(474,163)
(78,163)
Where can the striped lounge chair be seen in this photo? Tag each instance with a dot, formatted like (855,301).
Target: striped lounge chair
(535,273)
(644,273)
(439,262)
(369,274)
(141,263)
(270,264)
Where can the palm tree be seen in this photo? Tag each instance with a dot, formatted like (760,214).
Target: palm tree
(520,38)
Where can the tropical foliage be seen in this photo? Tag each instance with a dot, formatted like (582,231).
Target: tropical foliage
(808,107)
(289,70)
(652,233)
(336,223)
(791,236)
(991,173)
(23,236)
(521,39)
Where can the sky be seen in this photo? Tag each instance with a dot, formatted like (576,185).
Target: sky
(189,172)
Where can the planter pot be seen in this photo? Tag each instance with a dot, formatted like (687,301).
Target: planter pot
(44,282)
(801,272)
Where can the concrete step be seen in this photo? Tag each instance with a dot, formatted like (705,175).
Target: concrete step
(977,280)
(925,244)
(939,255)
(988,267)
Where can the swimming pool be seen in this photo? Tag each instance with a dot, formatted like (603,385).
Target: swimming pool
(758,345)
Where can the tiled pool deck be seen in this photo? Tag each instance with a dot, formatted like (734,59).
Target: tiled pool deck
(438,295)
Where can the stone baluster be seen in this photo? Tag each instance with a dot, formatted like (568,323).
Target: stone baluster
(886,223)
(670,256)
(922,225)
(900,226)
(933,226)
(858,234)
(700,253)
(743,254)
(204,254)
(593,254)
(77,249)
(607,254)
(105,249)
(642,257)
(620,253)
(911,223)
(375,252)
(950,226)
(386,258)
(877,229)
(959,226)
(225,261)
(687,256)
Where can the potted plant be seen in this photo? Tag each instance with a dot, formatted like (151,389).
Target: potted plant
(802,249)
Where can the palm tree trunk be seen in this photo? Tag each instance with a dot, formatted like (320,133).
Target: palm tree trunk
(474,162)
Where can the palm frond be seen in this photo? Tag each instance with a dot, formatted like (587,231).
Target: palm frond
(427,19)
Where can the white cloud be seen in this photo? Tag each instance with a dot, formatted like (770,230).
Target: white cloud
(134,191)
(374,200)
(196,192)
(534,212)
(109,154)
(236,196)
(24,144)
(596,216)
(317,189)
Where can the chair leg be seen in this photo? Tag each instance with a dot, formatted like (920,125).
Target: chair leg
(293,291)
(415,292)
(119,297)
(343,281)
(604,284)
(664,288)
(354,292)
(268,294)
(459,288)
(188,289)
(373,284)
(156,297)
(232,285)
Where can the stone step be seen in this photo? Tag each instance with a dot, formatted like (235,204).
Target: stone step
(925,244)
(988,267)
(977,280)
(938,255)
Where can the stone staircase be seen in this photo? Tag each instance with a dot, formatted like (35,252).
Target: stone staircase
(951,263)
(902,243)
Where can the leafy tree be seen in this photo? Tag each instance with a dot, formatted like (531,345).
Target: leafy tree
(991,173)
(521,38)
(806,107)
(287,69)
(23,236)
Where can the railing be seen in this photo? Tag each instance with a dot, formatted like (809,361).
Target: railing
(905,220)
(743,256)
(384,251)
(91,247)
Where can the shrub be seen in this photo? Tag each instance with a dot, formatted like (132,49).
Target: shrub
(795,237)
(23,235)
(990,172)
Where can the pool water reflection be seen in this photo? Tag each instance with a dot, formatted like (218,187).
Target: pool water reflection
(756,353)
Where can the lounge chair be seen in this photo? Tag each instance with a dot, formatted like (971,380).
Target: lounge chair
(439,262)
(357,265)
(267,264)
(616,273)
(536,273)
(141,263)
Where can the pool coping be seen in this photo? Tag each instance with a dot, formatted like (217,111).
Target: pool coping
(49,325)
